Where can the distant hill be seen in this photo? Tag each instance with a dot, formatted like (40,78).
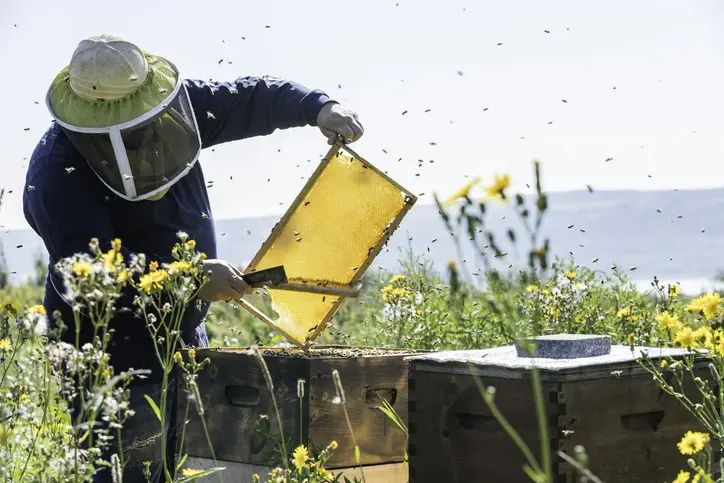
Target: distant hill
(675,235)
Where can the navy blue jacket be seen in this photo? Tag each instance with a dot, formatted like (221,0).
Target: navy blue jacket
(68,207)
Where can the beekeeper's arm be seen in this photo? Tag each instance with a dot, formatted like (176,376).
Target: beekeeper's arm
(67,223)
(257,106)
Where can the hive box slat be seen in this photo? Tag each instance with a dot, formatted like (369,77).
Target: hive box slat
(242,472)
(612,407)
(235,396)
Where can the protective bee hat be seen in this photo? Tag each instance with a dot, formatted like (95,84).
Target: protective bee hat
(129,114)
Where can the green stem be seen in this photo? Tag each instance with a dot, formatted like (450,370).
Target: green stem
(120,448)
(42,421)
(208,441)
(542,425)
(354,441)
(164,442)
(18,346)
(183,435)
(301,423)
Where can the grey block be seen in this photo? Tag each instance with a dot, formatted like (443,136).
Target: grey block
(567,346)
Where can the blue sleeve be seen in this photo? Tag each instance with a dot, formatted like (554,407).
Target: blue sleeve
(251,106)
(66,211)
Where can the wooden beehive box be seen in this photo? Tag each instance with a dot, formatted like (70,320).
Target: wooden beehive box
(236,401)
(609,404)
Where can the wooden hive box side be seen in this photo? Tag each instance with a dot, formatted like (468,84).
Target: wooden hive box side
(237,401)
(628,426)
(454,436)
(363,379)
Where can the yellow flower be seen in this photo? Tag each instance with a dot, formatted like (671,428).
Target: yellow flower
(631,339)
(116,244)
(532,288)
(177,357)
(707,303)
(324,473)
(704,336)
(685,338)
(571,275)
(37,309)
(682,477)
(187,472)
(498,187)
(397,278)
(333,445)
(153,281)
(702,477)
(545,291)
(112,259)
(692,442)
(179,267)
(386,290)
(394,294)
(668,322)
(82,269)
(106,373)
(664,363)
(300,456)
(255,478)
(123,276)
(674,290)
(191,244)
(624,313)
(153,266)
(24,398)
(5,344)
(579,318)
(192,353)
(463,192)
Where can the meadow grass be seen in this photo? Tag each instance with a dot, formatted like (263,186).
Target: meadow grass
(415,307)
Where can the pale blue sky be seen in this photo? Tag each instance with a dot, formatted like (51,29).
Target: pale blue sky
(664,119)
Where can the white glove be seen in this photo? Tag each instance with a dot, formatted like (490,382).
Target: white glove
(225,282)
(334,120)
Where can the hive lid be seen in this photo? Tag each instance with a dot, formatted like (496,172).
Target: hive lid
(504,362)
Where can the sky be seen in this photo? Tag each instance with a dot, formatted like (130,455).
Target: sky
(643,83)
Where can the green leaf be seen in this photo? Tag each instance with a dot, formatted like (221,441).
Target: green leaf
(357,455)
(390,412)
(153,405)
(182,461)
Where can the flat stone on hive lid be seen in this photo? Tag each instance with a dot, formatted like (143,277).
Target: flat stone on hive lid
(568,346)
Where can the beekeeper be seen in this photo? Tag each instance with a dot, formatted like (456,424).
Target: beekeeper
(121,160)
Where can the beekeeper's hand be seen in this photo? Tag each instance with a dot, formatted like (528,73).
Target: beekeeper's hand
(333,120)
(224,282)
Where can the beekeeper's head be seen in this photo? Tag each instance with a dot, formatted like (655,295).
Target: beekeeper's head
(128,113)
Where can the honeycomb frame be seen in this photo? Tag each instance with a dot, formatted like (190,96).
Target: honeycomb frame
(409,199)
